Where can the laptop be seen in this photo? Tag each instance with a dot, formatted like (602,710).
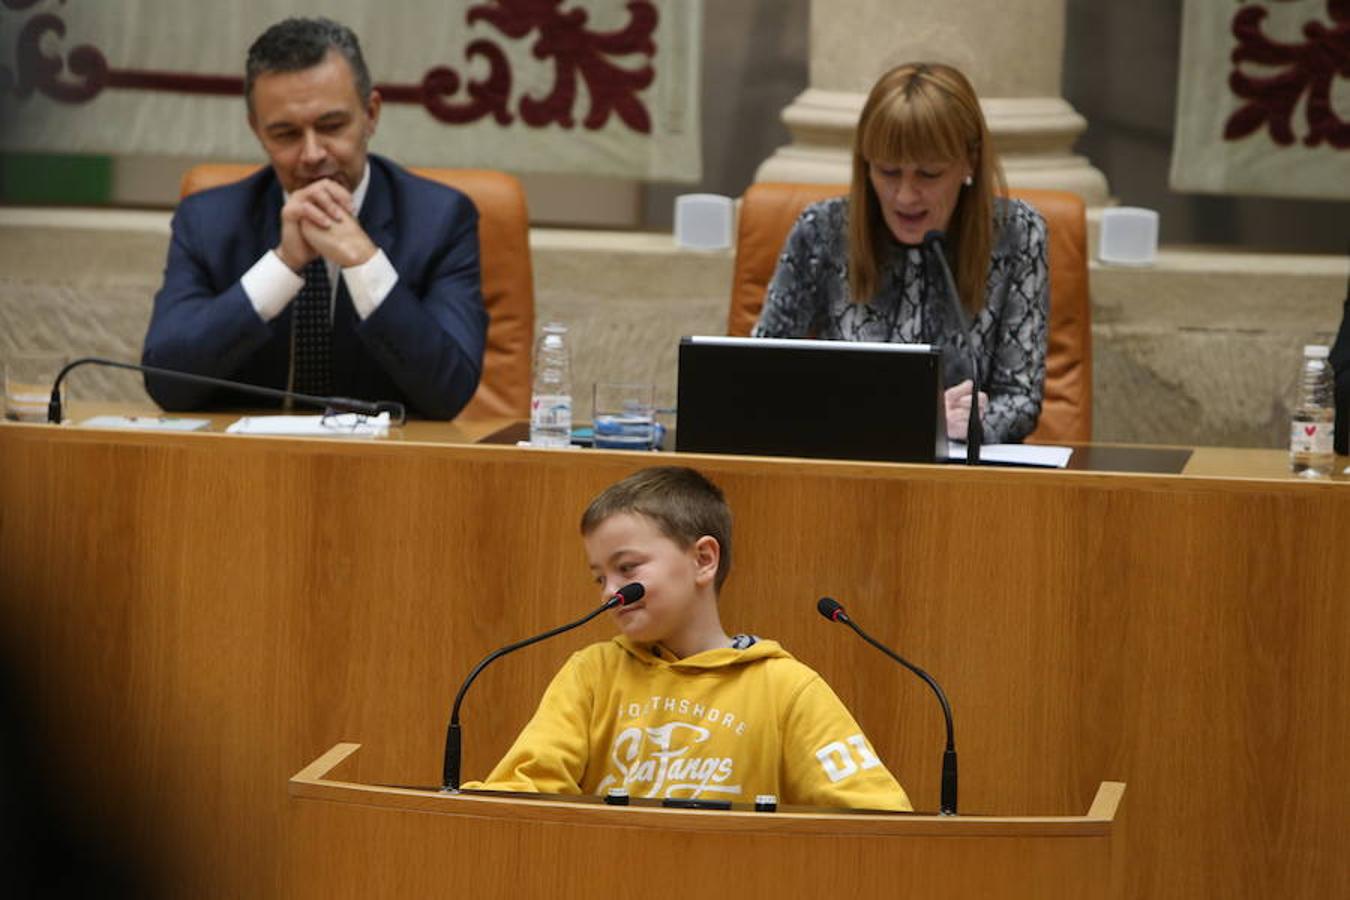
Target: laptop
(819,399)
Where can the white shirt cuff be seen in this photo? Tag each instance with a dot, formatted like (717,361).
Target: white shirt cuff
(270,285)
(370,282)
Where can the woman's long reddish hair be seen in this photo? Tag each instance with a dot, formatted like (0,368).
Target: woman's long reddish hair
(925,113)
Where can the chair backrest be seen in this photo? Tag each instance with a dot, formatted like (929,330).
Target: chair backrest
(508,279)
(769,209)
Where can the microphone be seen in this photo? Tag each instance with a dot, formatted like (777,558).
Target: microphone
(833,610)
(396,411)
(629,593)
(974,434)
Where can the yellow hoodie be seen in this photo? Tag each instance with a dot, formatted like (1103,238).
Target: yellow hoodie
(724,724)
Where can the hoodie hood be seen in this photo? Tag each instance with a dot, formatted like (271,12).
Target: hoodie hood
(708,660)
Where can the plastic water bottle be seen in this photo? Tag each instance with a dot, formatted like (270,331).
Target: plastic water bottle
(1310,437)
(551,402)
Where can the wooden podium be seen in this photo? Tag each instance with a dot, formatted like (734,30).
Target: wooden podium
(349,839)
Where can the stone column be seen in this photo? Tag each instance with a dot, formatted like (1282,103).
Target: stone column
(1012,51)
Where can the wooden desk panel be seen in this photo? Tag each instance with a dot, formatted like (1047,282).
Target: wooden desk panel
(519,846)
(204,614)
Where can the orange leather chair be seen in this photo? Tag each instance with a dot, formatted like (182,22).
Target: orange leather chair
(768,211)
(508,280)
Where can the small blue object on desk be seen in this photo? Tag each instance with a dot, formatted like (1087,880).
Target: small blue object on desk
(617,431)
(613,433)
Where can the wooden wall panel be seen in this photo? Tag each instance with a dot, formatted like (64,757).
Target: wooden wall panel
(203,615)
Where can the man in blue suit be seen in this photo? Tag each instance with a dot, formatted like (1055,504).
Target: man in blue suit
(332,271)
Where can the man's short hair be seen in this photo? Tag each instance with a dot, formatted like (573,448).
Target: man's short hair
(682,503)
(296,44)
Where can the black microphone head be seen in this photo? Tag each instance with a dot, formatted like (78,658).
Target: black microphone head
(630,593)
(398,413)
(352,405)
(831,609)
(934,237)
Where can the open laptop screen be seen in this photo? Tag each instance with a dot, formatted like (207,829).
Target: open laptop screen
(823,399)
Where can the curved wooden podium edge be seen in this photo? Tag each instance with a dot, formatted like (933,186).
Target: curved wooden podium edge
(1104,805)
(312,783)
(315,771)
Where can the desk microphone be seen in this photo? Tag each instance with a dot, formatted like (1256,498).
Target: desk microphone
(396,411)
(934,241)
(833,610)
(629,593)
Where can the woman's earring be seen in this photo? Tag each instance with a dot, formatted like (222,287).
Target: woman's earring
(969,181)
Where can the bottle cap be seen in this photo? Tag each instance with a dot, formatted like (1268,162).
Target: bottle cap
(1317,351)
(617,796)
(766,803)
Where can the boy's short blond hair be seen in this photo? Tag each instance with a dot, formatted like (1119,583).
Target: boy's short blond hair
(682,502)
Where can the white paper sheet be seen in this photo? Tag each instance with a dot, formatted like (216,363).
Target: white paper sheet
(1016,454)
(147,423)
(346,425)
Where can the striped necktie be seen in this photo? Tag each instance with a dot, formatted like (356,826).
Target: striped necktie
(314,333)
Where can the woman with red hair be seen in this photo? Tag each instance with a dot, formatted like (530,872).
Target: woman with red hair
(855,268)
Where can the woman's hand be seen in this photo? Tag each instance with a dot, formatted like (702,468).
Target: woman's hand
(957,399)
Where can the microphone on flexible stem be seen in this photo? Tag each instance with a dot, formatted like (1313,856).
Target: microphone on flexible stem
(934,240)
(833,610)
(629,593)
(397,414)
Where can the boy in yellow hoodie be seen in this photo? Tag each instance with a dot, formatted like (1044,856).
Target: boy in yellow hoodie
(673,706)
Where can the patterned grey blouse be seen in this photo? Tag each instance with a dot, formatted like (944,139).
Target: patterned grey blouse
(809,295)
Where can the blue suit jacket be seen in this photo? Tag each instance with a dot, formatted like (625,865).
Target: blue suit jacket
(423,345)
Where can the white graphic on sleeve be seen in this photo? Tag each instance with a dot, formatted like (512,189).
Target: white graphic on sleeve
(838,761)
(658,762)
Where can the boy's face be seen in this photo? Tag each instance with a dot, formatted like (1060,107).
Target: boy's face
(628,547)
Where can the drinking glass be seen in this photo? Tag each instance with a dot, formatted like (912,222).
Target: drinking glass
(624,416)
